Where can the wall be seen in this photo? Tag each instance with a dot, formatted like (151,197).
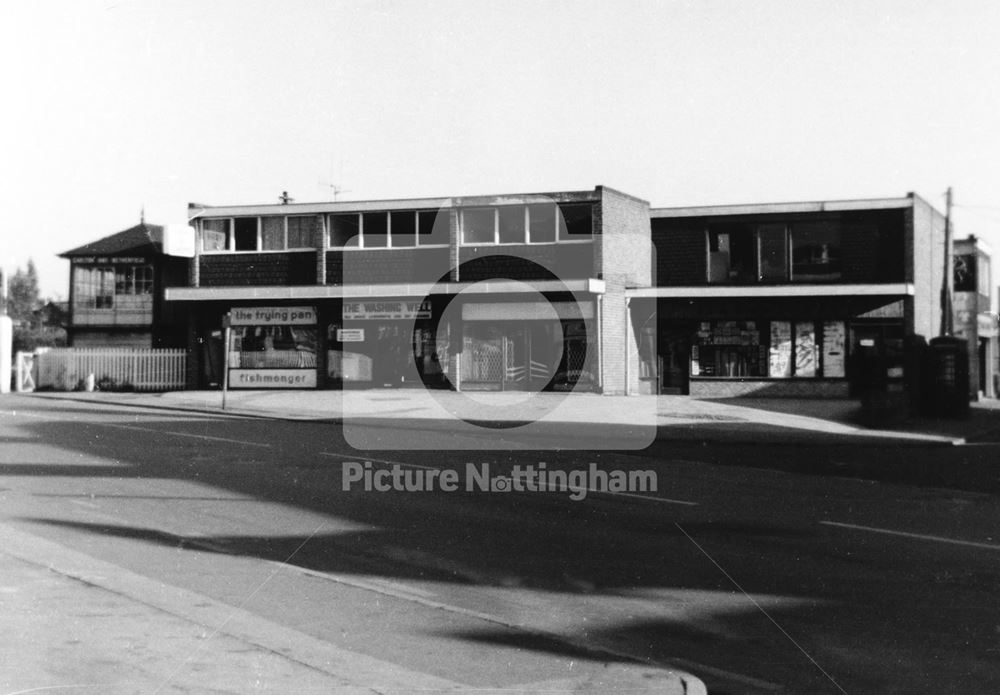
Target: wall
(622,258)
(257,269)
(925,246)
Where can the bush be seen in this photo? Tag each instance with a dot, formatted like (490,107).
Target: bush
(27,339)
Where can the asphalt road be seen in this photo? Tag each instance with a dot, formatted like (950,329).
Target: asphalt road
(760,568)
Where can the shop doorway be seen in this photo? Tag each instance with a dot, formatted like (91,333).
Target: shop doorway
(674,363)
(507,356)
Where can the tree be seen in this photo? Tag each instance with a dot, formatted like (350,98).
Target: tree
(22,294)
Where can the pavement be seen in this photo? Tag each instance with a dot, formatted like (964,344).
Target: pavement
(744,420)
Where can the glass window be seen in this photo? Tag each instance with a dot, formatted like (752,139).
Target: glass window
(214,235)
(834,349)
(433,226)
(729,349)
(344,228)
(815,252)
(245,234)
(511,224)
(772,252)
(576,221)
(806,350)
(731,254)
(105,288)
(375,230)
(479,226)
(542,223)
(404,228)
(302,232)
(780,353)
(273,233)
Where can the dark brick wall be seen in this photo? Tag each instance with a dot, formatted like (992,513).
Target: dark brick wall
(521,262)
(387,265)
(680,254)
(258,269)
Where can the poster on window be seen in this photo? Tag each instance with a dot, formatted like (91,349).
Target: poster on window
(806,355)
(834,350)
(780,356)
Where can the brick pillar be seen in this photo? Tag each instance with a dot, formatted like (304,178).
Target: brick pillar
(321,244)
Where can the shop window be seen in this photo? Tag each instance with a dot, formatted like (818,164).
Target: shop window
(479,226)
(542,223)
(272,233)
(772,253)
(815,252)
(576,221)
(245,234)
(302,232)
(773,349)
(274,347)
(403,229)
(375,230)
(215,235)
(728,349)
(511,224)
(344,228)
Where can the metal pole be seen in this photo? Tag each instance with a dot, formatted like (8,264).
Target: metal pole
(947,286)
(226,336)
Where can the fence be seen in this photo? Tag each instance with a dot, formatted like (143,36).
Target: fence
(113,369)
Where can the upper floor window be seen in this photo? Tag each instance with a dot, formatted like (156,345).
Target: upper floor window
(389,229)
(269,233)
(537,223)
(747,253)
(104,287)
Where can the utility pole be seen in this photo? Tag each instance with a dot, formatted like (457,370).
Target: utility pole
(947,318)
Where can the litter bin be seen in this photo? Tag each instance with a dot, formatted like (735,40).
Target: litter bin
(946,377)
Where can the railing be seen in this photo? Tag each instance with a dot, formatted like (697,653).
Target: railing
(112,369)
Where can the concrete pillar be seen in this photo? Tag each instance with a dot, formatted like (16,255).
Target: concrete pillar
(6,351)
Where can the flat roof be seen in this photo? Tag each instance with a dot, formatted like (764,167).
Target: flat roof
(771,208)
(196,210)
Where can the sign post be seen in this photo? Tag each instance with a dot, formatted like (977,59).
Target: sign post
(226,330)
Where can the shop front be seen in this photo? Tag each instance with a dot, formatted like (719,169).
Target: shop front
(272,347)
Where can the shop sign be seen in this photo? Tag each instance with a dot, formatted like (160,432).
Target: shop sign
(272,378)
(987,325)
(106,260)
(351,335)
(273,316)
(374,311)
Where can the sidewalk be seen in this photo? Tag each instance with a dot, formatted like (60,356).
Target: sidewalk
(765,420)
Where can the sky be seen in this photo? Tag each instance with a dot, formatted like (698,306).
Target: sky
(113,107)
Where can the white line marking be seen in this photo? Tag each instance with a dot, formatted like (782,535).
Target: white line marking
(917,536)
(183,434)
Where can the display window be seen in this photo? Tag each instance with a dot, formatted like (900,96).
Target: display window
(769,349)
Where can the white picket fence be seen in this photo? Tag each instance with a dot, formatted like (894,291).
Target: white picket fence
(138,369)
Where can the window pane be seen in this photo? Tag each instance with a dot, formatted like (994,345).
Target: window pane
(434,226)
(245,233)
(780,356)
(728,349)
(772,252)
(375,230)
(512,224)
(404,228)
(479,226)
(806,350)
(815,251)
(344,228)
(214,235)
(273,233)
(576,221)
(302,232)
(542,222)
(834,348)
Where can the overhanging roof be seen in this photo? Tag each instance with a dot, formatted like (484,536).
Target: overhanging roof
(142,239)
(215,294)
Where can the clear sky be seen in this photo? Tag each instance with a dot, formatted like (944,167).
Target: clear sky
(116,105)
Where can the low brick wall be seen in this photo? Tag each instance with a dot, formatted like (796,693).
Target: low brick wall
(768,388)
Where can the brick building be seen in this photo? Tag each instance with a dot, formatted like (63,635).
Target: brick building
(488,292)
(788,299)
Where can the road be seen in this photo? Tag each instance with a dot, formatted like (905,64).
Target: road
(752,576)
